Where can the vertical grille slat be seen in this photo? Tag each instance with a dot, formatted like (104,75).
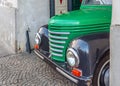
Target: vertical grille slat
(57,41)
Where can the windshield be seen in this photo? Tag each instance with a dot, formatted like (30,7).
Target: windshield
(97,2)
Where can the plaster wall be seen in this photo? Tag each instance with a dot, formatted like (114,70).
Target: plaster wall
(115,53)
(30,14)
(116,12)
(7,27)
(115,44)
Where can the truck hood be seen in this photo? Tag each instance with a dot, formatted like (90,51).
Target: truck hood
(87,15)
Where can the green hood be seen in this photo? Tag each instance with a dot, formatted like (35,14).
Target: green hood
(87,15)
(87,20)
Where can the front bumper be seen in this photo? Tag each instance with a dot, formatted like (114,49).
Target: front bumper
(61,68)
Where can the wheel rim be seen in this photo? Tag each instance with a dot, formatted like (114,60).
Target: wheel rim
(103,77)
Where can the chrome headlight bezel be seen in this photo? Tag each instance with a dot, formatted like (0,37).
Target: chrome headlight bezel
(41,31)
(37,38)
(74,56)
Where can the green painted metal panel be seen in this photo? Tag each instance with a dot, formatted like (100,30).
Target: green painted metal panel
(89,19)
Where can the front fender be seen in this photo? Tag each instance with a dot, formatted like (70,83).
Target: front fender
(90,48)
(82,48)
(43,32)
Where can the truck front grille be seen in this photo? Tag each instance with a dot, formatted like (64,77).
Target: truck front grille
(57,42)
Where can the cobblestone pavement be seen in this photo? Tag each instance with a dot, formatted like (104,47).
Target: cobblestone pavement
(28,70)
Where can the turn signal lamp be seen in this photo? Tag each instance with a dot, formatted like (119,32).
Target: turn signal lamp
(36,46)
(77,72)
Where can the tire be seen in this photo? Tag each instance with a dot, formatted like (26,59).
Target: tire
(101,74)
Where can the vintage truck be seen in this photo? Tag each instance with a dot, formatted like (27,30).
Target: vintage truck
(76,44)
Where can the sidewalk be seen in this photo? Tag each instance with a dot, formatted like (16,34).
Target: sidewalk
(28,70)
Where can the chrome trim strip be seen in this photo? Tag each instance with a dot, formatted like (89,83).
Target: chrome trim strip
(56,50)
(66,75)
(38,35)
(57,46)
(38,54)
(65,33)
(57,37)
(54,41)
(55,54)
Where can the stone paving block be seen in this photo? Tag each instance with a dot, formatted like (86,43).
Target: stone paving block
(28,70)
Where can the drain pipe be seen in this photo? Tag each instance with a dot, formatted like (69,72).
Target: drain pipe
(28,48)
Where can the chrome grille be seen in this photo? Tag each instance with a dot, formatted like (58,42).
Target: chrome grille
(57,41)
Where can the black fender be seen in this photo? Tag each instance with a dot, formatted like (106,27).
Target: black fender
(90,49)
(43,32)
(102,55)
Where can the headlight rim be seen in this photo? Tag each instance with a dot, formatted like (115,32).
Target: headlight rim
(75,53)
(43,30)
(37,36)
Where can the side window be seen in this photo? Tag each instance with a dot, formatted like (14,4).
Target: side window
(91,2)
(97,2)
(105,1)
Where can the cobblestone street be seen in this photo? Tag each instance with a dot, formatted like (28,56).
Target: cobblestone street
(28,70)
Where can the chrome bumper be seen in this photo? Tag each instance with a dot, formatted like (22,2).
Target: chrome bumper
(83,81)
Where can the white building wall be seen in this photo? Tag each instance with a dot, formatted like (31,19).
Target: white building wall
(7,24)
(30,14)
(115,45)
(16,16)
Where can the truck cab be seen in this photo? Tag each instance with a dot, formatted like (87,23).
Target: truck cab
(76,44)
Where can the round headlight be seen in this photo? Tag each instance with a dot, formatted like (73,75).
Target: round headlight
(37,38)
(72,58)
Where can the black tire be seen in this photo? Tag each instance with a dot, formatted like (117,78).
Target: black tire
(101,74)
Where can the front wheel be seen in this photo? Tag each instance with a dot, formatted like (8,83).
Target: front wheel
(101,75)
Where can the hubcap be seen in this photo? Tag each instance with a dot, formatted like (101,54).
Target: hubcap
(106,78)
(103,77)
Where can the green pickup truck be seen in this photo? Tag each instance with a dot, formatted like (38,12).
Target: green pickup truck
(76,44)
